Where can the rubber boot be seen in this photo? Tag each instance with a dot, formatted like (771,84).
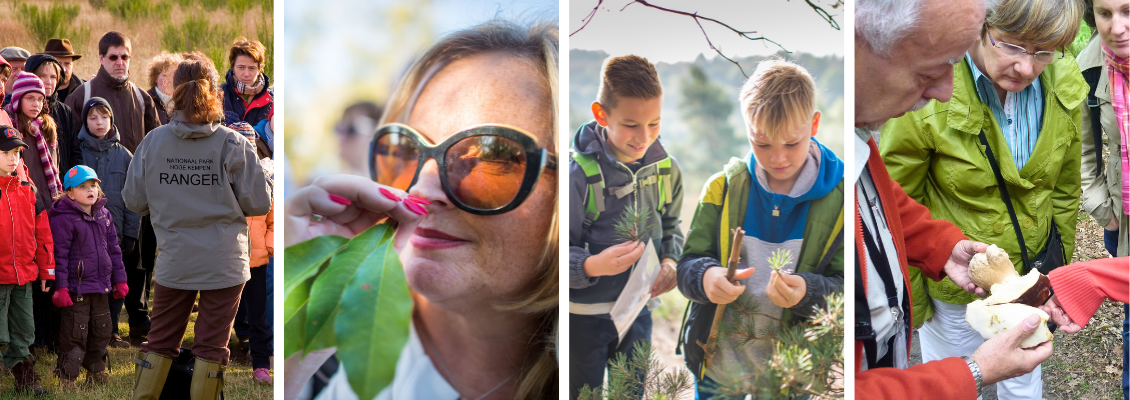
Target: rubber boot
(152,369)
(207,380)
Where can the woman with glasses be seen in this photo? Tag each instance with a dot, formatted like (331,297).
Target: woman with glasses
(465,161)
(1016,92)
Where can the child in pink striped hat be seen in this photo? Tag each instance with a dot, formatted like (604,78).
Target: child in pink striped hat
(29,111)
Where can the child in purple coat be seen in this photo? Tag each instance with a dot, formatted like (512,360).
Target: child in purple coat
(88,269)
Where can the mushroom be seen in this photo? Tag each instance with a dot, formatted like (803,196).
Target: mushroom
(990,267)
(991,320)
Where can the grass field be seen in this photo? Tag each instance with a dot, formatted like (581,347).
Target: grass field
(153,26)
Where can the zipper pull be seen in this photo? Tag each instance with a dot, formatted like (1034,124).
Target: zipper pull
(881,220)
(776,211)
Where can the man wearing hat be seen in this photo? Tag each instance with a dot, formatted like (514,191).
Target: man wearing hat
(16,58)
(61,49)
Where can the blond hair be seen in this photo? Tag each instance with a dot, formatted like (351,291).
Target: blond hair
(627,76)
(536,44)
(1042,23)
(779,97)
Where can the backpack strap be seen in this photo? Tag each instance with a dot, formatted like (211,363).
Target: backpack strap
(138,96)
(594,178)
(1092,75)
(665,190)
(86,93)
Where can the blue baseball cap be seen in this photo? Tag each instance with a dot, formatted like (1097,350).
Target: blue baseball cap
(77,175)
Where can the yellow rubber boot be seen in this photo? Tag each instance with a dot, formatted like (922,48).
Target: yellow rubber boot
(152,369)
(207,380)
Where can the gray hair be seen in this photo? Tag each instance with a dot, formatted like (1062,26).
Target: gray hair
(883,23)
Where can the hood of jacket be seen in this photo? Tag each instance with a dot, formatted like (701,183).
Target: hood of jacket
(829,171)
(187,130)
(787,215)
(64,205)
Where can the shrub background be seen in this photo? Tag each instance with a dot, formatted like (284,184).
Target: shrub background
(209,26)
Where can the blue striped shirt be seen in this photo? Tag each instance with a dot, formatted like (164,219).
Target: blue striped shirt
(1019,116)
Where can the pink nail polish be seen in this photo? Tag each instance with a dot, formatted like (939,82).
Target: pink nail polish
(419,200)
(416,208)
(390,195)
(340,200)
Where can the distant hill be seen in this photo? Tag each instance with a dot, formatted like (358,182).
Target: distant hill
(828,71)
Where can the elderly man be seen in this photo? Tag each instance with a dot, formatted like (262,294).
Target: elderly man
(905,56)
(61,49)
(16,57)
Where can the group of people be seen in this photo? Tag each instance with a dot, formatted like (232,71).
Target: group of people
(975,126)
(155,190)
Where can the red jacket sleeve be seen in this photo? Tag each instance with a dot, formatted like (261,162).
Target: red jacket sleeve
(45,251)
(1082,287)
(945,379)
(929,242)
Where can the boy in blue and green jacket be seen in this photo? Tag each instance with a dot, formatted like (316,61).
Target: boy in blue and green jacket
(618,162)
(787,194)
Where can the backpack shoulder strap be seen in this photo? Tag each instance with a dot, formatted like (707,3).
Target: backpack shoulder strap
(665,189)
(86,93)
(594,200)
(137,94)
(1092,75)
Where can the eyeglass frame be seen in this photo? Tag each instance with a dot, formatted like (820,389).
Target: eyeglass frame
(1062,53)
(425,150)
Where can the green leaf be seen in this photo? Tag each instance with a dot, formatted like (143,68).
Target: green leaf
(373,329)
(325,293)
(304,260)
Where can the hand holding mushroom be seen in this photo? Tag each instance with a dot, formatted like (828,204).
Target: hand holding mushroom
(957,267)
(1013,298)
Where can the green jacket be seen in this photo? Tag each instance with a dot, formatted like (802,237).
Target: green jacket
(935,154)
(722,208)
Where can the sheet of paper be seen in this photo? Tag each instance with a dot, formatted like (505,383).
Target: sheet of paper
(637,291)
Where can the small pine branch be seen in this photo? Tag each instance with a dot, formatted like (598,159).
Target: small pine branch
(779,259)
(632,223)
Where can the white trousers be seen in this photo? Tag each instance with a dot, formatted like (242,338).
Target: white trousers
(948,335)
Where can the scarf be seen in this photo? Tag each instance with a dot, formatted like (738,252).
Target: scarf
(1119,94)
(252,90)
(44,150)
(166,99)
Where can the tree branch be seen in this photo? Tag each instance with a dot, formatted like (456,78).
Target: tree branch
(589,17)
(824,14)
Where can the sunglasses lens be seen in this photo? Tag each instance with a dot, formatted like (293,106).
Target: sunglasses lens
(485,172)
(394,160)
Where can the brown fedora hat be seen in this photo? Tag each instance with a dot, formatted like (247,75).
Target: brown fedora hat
(61,48)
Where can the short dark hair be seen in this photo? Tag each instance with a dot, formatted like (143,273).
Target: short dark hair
(627,76)
(112,39)
(250,48)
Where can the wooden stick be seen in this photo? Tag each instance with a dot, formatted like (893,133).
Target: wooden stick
(711,346)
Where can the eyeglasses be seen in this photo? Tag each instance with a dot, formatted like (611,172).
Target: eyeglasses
(484,169)
(114,57)
(1012,50)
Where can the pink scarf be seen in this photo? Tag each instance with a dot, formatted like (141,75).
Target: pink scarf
(1119,94)
(44,149)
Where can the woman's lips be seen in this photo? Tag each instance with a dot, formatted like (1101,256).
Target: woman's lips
(431,239)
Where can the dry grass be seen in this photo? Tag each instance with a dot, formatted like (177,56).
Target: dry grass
(255,21)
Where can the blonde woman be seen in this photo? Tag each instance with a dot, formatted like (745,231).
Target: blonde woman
(1015,90)
(478,232)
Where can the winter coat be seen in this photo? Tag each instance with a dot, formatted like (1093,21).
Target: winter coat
(110,160)
(87,257)
(198,184)
(135,113)
(816,218)
(585,242)
(162,113)
(262,238)
(1102,195)
(34,165)
(918,240)
(66,125)
(937,157)
(62,94)
(28,251)
(235,109)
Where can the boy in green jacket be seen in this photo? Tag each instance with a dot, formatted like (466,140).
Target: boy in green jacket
(787,194)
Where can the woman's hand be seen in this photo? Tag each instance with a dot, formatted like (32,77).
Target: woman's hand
(722,291)
(347,205)
(1113,224)
(785,290)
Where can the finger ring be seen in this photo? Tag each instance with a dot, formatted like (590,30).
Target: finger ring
(316,217)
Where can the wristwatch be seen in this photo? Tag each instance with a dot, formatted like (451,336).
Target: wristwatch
(975,370)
